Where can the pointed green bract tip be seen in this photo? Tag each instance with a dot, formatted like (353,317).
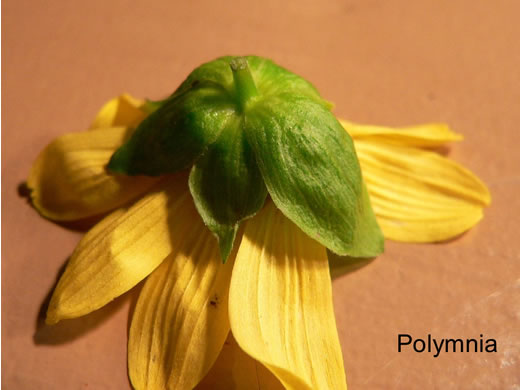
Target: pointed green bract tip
(124,162)
(226,237)
(119,162)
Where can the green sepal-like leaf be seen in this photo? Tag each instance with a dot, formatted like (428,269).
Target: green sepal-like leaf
(176,134)
(226,185)
(181,127)
(340,265)
(228,108)
(226,235)
(215,72)
(368,237)
(150,106)
(272,80)
(310,168)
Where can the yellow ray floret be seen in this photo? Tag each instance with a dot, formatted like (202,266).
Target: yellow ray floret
(181,319)
(426,135)
(234,369)
(274,293)
(418,195)
(123,110)
(280,304)
(121,251)
(69,181)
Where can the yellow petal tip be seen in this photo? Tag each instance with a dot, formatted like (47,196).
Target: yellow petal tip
(428,135)
(52,317)
(123,110)
(486,197)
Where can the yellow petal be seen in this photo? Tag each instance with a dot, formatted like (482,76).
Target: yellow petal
(420,196)
(426,135)
(69,180)
(280,304)
(234,369)
(120,111)
(181,319)
(121,251)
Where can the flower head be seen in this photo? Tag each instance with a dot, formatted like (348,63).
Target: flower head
(274,292)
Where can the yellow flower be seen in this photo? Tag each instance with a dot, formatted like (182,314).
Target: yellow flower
(417,194)
(274,293)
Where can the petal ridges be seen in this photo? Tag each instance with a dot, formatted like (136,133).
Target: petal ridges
(281,310)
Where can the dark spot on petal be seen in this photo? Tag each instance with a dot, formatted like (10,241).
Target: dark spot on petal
(214,301)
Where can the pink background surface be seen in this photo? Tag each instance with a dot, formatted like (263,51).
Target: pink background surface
(381,62)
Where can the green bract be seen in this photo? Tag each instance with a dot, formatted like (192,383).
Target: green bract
(248,127)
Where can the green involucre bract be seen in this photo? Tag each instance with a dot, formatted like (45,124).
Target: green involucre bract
(248,127)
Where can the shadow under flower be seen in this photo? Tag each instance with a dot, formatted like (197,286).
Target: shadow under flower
(342,265)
